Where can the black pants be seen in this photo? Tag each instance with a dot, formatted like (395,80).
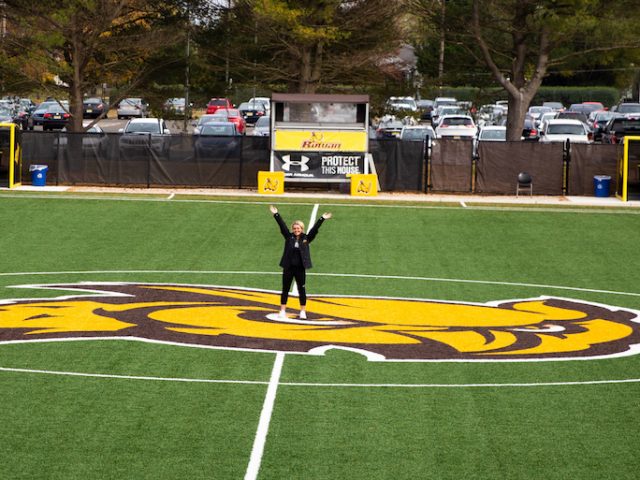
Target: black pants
(288,274)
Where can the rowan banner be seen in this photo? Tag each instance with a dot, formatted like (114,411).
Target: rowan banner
(320,141)
(319,166)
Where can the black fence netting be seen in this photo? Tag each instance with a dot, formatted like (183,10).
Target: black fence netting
(147,160)
(400,165)
(450,166)
(234,162)
(587,161)
(499,164)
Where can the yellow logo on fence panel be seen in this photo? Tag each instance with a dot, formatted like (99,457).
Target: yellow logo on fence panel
(364,185)
(541,328)
(320,141)
(271,183)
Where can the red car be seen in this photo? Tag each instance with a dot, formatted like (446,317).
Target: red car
(216,104)
(232,115)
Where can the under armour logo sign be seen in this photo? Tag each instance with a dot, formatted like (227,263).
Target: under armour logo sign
(302,163)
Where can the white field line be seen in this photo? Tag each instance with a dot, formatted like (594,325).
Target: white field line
(278,367)
(613,209)
(464,205)
(347,275)
(171,196)
(265,419)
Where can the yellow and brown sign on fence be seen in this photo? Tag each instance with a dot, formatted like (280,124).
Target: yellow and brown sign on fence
(271,183)
(364,185)
(320,141)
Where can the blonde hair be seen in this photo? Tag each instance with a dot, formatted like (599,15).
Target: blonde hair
(298,222)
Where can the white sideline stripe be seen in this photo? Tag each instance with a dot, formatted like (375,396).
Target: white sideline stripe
(129,377)
(278,364)
(571,208)
(265,418)
(348,275)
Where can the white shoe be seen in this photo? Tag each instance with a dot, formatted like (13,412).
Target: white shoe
(282,315)
(303,315)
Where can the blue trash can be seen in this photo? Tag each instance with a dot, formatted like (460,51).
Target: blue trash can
(601,185)
(38,175)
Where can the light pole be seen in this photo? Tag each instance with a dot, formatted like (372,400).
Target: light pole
(187,107)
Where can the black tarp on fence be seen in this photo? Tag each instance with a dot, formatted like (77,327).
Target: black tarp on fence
(234,162)
(450,166)
(588,161)
(499,163)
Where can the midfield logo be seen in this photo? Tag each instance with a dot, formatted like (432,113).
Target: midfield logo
(384,328)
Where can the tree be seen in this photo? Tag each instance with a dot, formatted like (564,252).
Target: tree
(307,45)
(518,41)
(68,47)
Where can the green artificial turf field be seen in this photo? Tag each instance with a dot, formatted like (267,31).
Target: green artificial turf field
(474,384)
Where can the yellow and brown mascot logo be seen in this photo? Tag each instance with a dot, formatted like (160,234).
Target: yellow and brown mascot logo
(395,329)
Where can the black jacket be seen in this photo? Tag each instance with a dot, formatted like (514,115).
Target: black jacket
(290,239)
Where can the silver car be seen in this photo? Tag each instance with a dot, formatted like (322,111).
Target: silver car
(262,127)
(132,107)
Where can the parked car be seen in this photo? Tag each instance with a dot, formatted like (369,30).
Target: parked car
(389,127)
(218,139)
(598,121)
(402,103)
(252,111)
(628,107)
(556,106)
(201,121)
(37,115)
(22,118)
(134,107)
(489,133)
(140,134)
(456,126)
(262,127)
(266,101)
(93,107)
(231,115)
(443,110)
(490,114)
(619,127)
(24,109)
(55,117)
(530,131)
(584,108)
(442,101)
(561,130)
(492,133)
(536,112)
(425,107)
(6,115)
(94,139)
(216,104)
(544,118)
(417,133)
(573,115)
